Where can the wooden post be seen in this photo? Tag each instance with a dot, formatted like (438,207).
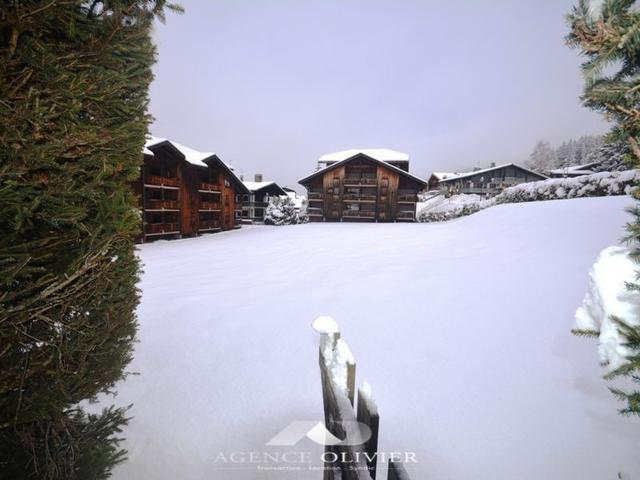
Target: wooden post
(368,415)
(351,381)
(397,471)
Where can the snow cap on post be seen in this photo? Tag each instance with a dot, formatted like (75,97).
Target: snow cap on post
(325,325)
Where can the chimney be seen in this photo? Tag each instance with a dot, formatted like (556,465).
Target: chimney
(257,177)
(241,177)
(493,164)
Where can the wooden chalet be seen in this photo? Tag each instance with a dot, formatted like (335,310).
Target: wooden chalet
(488,181)
(183,192)
(572,171)
(254,203)
(370,185)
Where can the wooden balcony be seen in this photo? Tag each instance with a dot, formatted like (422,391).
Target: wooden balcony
(209,206)
(161,229)
(207,225)
(407,197)
(359,214)
(315,196)
(151,204)
(255,204)
(358,197)
(360,181)
(406,215)
(209,187)
(159,181)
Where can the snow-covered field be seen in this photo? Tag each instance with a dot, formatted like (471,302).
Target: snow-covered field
(462,329)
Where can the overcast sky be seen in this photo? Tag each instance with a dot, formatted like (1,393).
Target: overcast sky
(272,85)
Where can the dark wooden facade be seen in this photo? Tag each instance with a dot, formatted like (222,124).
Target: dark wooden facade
(178,197)
(363,189)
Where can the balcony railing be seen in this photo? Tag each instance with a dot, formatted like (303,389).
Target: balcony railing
(360,181)
(160,228)
(161,204)
(209,187)
(359,197)
(407,197)
(208,225)
(359,213)
(162,181)
(209,206)
(315,196)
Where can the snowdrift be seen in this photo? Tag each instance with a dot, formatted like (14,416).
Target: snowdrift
(606,299)
(462,327)
(594,185)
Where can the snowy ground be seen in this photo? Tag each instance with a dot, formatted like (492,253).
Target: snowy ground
(462,329)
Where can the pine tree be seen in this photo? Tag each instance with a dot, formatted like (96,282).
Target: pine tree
(74,79)
(281,211)
(542,158)
(612,157)
(608,34)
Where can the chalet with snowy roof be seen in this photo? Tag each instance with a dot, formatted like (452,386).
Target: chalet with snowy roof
(486,181)
(255,201)
(371,185)
(183,192)
(436,177)
(574,170)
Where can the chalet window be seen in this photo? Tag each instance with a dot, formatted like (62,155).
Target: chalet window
(226,183)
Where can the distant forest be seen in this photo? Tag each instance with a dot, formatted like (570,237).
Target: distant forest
(584,150)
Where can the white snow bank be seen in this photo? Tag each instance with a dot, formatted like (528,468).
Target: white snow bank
(596,185)
(452,207)
(607,296)
(460,327)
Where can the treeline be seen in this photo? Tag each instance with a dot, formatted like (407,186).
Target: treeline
(584,150)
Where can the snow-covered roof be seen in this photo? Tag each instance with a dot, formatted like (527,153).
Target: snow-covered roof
(146,151)
(458,176)
(379,152)
(575,169)
(443,175)
(253,186)
(192,156)
(382,154)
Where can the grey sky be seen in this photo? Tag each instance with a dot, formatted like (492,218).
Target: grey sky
(272,85)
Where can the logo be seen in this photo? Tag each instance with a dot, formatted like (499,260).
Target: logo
(356,434)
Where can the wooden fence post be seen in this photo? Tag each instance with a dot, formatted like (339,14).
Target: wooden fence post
(346,461)
(368,415)
(397,471)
